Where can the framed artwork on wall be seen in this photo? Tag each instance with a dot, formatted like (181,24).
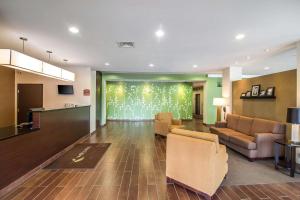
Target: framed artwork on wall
(248,94)
(255,90)
(262,93)
(270,91)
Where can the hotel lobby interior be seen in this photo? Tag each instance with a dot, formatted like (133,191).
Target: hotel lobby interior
(136,100)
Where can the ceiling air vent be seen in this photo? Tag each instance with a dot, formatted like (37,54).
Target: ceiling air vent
(125,44)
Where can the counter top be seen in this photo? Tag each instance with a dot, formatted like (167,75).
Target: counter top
(12,131)
(54,109)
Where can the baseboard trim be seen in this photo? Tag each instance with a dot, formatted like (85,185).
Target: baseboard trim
(12,186)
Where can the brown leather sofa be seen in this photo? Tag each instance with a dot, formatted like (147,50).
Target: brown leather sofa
(252,137)
(196,160)
(164,123)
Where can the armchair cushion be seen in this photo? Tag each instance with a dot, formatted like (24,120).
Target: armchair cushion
(199,135)
(176,122)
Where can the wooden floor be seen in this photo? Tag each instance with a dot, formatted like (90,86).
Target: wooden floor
(133,168)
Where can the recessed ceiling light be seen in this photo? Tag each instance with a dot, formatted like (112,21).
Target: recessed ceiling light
(73,29)
(266,68)
(267,50)
(151,65)
(159,33)
(240,36)
(195,66)
(106,64)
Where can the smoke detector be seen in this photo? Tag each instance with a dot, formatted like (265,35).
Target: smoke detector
(125,44)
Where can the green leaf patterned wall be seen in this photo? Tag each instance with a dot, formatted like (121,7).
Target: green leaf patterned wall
(137,100)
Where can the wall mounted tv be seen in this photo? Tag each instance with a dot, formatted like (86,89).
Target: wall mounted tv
(65,89)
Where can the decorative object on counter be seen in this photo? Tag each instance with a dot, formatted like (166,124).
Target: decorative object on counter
(69,105)
(243,94)
(270,91)
(255,90)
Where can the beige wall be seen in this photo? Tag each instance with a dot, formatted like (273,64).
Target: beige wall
(274,109)
(51,98)
(7,96)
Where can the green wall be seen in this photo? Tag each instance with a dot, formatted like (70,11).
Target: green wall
(136,100)
(210,89)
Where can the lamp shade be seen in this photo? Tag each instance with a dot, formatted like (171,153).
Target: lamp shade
(219,102)
(293,115)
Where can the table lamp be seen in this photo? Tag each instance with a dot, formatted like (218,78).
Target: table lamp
(293,117)
(220,102)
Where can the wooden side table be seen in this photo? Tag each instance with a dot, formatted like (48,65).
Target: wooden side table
(289,161)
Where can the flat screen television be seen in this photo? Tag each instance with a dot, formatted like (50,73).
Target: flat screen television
(65,89)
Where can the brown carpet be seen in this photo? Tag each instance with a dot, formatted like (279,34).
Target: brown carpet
(82,156)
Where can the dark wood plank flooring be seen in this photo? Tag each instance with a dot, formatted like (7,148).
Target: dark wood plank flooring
(133,168)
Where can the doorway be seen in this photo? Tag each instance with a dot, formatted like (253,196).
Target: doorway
(29,96)
(197,104)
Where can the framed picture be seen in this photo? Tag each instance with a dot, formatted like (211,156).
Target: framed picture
(262,93)
(248,94)
(255,90)
(270,91)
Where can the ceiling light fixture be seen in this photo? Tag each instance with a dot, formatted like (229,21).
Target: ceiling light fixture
(160,33)
(267,50)
(195,66)
(266,68)
(106,64)
(74,29)
(16,60)
(240,36)
(151,65)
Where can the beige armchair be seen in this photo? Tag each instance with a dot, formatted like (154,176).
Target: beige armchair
(164,123)
(196,160)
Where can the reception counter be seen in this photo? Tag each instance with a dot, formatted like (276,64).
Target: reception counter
(53,131)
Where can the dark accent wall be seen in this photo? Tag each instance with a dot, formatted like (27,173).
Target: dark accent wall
(285,84)
(7,96)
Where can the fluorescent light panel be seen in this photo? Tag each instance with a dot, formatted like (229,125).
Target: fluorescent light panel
(20,61)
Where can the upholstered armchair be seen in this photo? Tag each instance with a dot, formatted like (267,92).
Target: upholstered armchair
(164,123)
(196,161)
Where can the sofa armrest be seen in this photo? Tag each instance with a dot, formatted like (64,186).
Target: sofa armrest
(176,122)
(265,143)
(221,124)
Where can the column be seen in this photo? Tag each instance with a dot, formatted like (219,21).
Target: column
(230,74)
(296,137)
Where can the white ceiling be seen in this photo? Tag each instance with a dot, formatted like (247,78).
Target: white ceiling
(198,32)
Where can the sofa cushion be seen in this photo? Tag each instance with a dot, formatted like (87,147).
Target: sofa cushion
(244,125)
(267,126)
(224,133)
(242,140)
(232,121)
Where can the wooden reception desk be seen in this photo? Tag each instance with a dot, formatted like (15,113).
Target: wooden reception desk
(20,153)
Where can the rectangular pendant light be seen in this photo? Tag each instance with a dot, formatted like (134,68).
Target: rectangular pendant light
(20,61)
